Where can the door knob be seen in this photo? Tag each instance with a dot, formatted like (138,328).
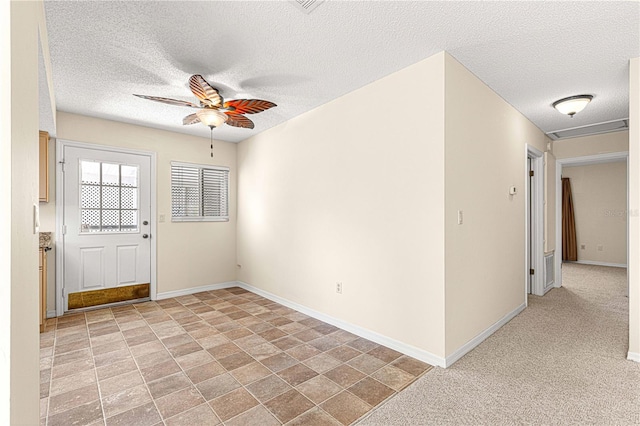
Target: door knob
(145,235)
(145,222)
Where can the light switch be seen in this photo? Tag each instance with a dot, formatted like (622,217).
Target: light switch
(161,218)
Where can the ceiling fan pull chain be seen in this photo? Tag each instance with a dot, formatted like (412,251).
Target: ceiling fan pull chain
(211,142)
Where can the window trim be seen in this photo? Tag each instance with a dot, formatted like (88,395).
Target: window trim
(199,218)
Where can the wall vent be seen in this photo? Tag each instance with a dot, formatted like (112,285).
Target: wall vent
(549,271)
(307,6)
(591,129)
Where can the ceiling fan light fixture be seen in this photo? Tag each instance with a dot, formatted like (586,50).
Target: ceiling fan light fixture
(573,104)
(211,117)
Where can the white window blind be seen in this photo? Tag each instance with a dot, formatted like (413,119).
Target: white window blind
(199,192)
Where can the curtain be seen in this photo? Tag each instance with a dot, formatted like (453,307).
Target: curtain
(569,244)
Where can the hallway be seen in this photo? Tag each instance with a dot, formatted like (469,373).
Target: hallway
(561,361)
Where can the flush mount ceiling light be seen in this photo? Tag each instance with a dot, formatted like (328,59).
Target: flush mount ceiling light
(573,104)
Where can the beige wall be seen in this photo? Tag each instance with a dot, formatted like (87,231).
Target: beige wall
(351,192)
(190,254)
(5,212)
(549,202)
(634,208)
(591,145)
(600,208)
(485,155)
(24,341)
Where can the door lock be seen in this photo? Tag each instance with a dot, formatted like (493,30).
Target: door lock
(146,222)
(145,235)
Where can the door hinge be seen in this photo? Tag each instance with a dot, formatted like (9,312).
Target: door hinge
(531,173)
(64,229)
(532,271)
(61,165)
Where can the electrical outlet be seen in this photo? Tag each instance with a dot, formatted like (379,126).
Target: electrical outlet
(460,218)
(161,218)
(600,248)
(339,287)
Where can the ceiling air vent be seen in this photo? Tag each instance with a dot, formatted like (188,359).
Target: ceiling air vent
(592,129)
(306,5)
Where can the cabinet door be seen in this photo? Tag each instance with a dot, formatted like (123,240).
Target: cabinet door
(44,167)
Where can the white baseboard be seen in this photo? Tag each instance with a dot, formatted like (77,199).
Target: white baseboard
(467,347)
(51,314)
(595,263)
(404,348)
(633,356)
(192,290)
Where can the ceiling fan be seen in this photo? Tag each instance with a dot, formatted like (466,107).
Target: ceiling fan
(213,110)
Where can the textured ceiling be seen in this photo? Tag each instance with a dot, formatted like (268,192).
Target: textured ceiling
(531,53)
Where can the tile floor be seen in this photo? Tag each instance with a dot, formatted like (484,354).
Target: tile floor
(220,357)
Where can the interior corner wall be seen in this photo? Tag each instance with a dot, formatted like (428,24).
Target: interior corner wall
(591,145)
(550,165)
(189,254)
(634,209)
(353,192)
(24,289)
(485,154)
(599,193)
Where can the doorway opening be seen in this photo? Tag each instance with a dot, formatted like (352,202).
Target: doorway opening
(534,234)
(608,213)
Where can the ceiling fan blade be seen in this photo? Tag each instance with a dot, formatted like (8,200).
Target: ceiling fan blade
(203,91)
(238,120)
(248,106)
(190,119)
(168,101)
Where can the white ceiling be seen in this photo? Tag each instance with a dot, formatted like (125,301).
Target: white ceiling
(531,53)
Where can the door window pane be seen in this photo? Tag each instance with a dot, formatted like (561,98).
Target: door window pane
(108,197)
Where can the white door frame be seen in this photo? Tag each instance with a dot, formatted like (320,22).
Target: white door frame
(60,145)
(537,220)
(582,161)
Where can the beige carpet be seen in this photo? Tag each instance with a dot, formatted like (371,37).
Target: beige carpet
(561,361)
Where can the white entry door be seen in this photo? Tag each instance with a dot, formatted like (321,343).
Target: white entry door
(106,231)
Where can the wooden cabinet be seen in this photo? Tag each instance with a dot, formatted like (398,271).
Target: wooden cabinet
(44,166)
(43,288)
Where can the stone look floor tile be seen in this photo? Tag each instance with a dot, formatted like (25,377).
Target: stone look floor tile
(393,377)
(205,372)
(314,417)
(289,405)
(144,415)
(255,416)
(168,384)
(68,400)
(319,389)
(268,388)
(178,402)
(200,415)
(345,407)
(217,386)
(297,374)
(74,381)
(119,383)
(233,403)
(84,414)
(371,391)
(224,355)
(344,375)
(125,400)
(250,373)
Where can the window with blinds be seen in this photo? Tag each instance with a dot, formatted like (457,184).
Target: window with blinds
(199,192)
